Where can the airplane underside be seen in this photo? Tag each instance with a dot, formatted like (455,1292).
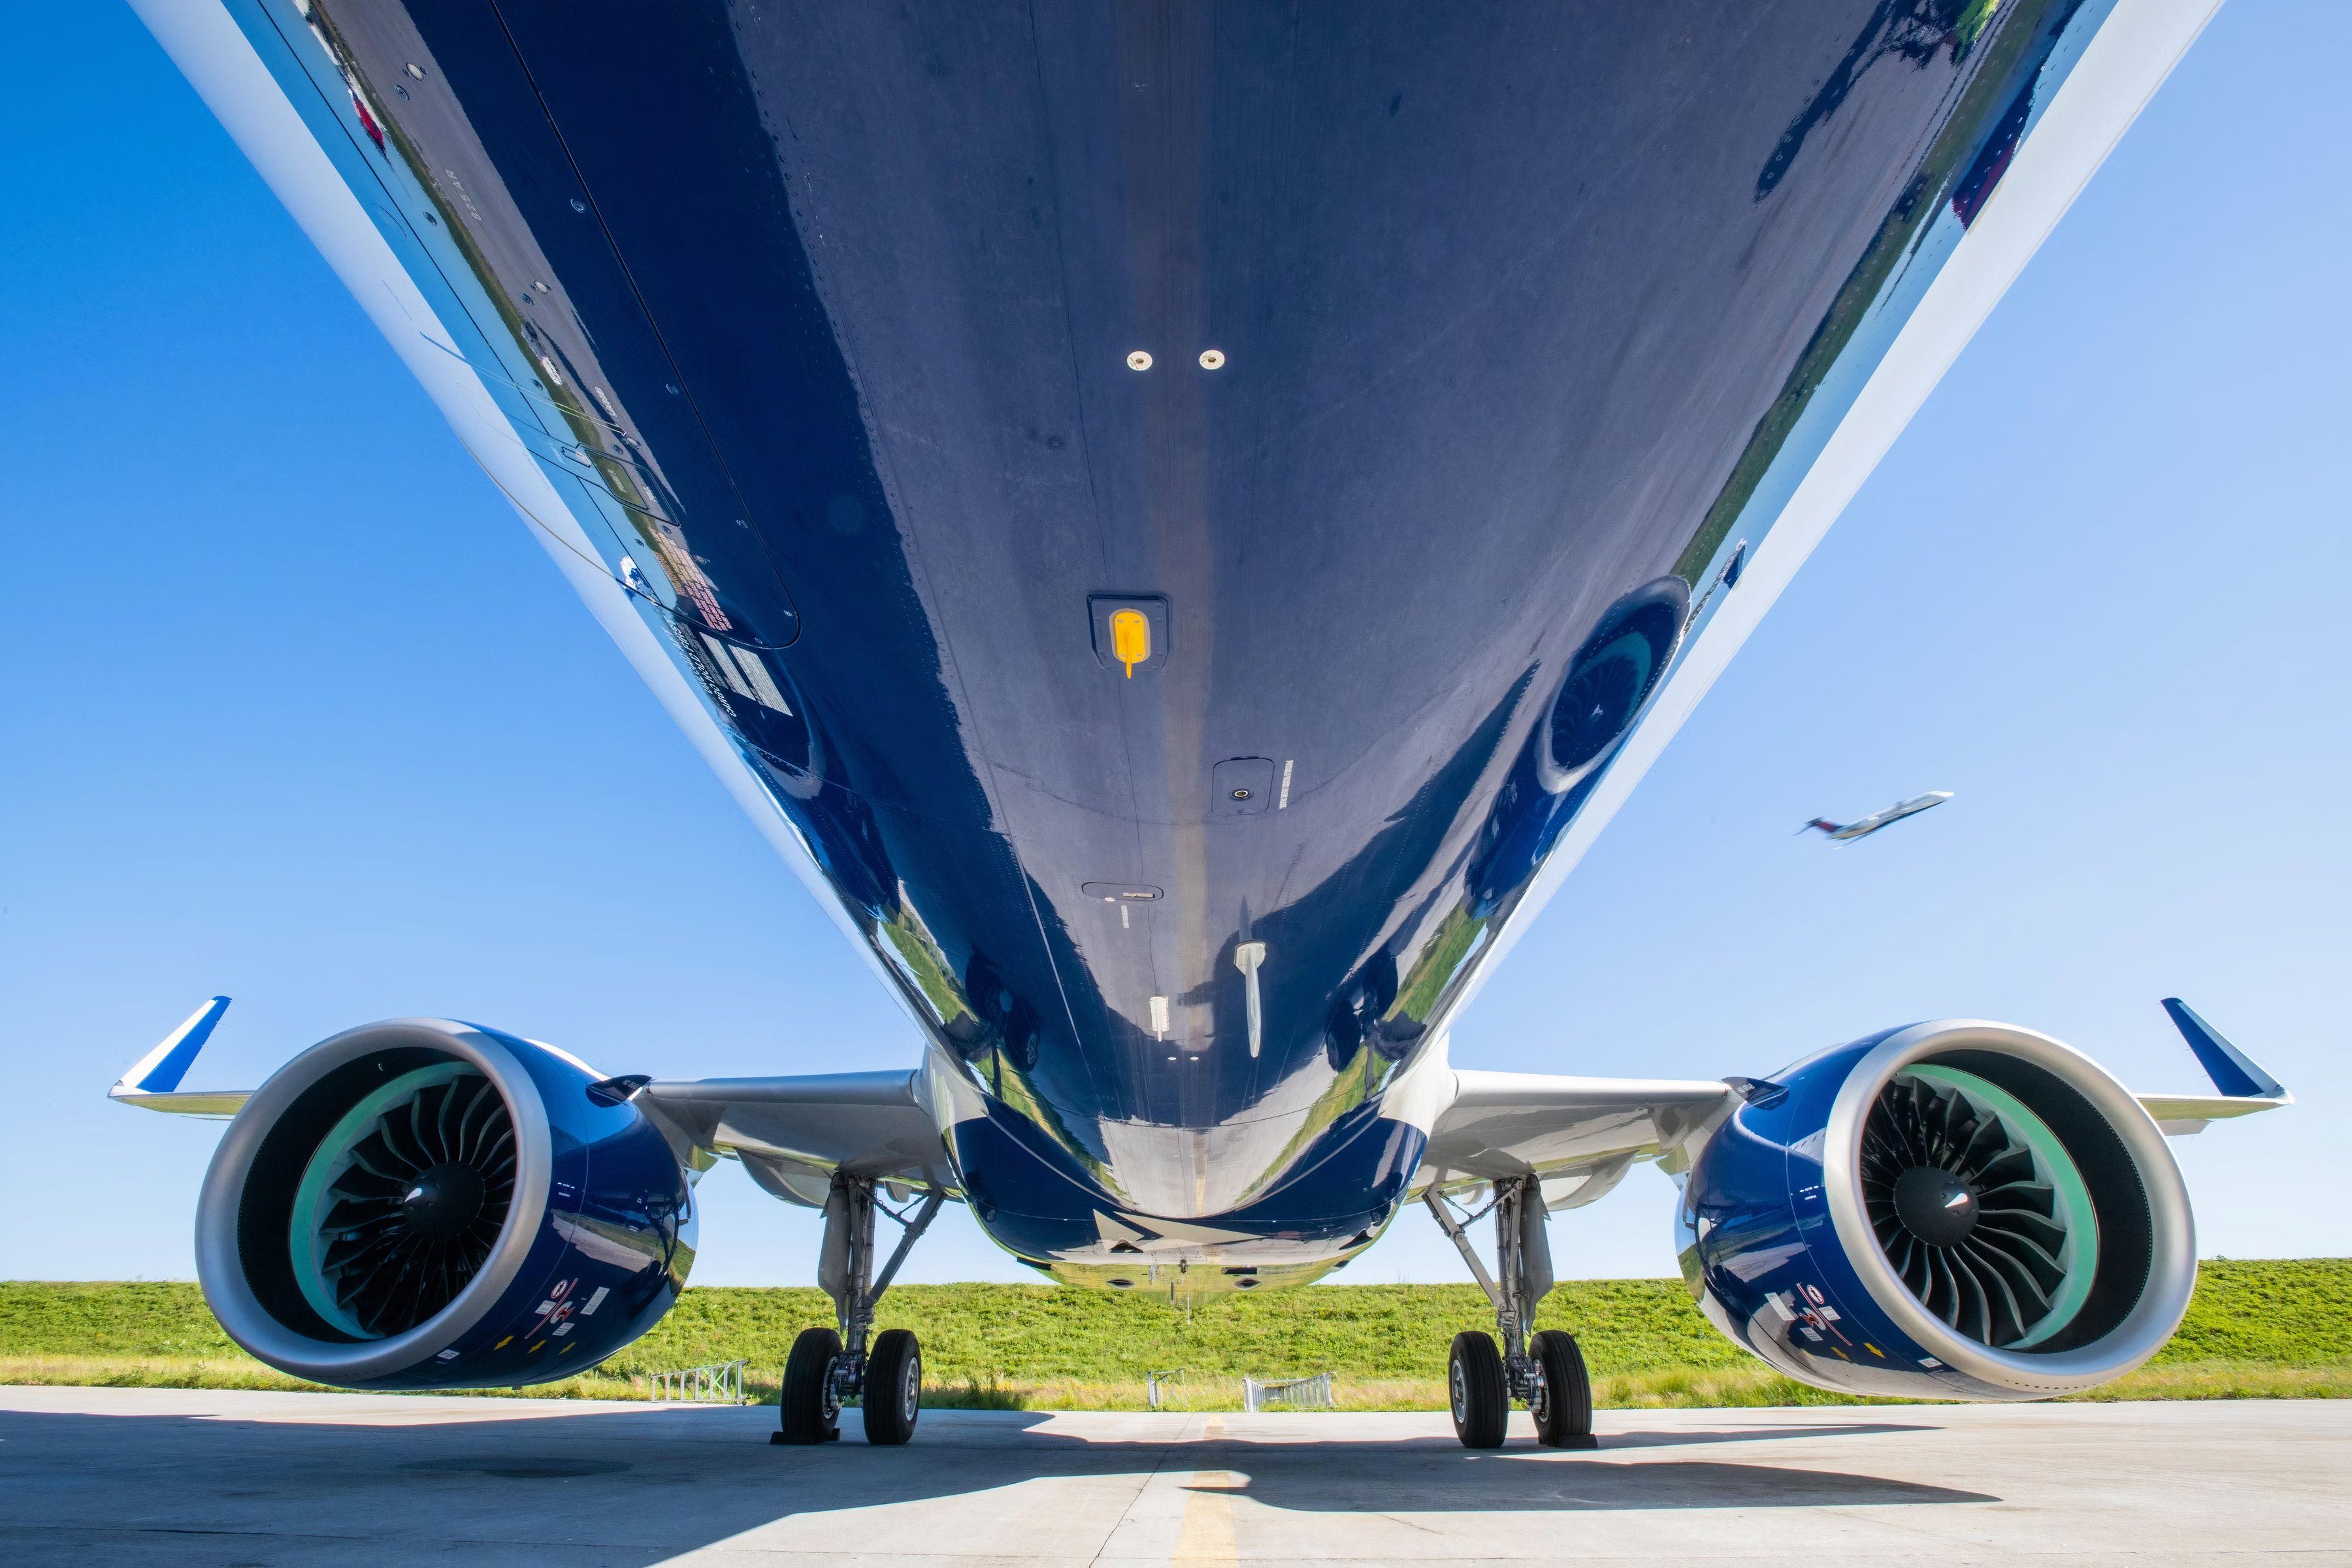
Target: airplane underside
(1180,521)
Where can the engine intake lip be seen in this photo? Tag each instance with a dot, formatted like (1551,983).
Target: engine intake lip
(220,1259)
(2172,1261)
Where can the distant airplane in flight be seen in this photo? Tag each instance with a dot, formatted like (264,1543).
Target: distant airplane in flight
(1846,832)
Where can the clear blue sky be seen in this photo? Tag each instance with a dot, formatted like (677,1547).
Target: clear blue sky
(295,711)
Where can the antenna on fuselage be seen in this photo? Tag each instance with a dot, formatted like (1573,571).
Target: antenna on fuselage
(1247,958)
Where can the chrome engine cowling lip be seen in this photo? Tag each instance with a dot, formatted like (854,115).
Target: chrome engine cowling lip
(2172,1262)
(220,1265)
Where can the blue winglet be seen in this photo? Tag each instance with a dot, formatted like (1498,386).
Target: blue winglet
(2232,1070)
(161,1069)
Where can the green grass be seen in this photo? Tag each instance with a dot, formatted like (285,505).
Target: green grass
(2264,1329)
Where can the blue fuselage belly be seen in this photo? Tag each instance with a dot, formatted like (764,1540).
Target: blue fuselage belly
(1469,340)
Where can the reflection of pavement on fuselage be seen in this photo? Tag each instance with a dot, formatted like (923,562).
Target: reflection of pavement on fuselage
(187,1476)
(1195,1173)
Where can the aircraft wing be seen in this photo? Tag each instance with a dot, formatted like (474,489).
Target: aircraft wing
(1580,1135)
(2181,1115)
(793,1133)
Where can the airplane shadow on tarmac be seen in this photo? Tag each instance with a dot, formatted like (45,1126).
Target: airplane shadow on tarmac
(669,1479)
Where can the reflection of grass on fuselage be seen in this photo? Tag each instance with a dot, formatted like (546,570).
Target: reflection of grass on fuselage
(1439,963)
(1021,1097)
(1946,164)
(925,968)
(1347,1090)
(2265,1329)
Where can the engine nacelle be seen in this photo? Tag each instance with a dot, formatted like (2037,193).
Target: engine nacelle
(423,1204)
(1956,1210)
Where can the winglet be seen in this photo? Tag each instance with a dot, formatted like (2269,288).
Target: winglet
(2232,1070)
(152,1082)
(161,1069)
(2245,1087)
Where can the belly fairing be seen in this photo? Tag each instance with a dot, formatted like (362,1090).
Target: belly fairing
(1336,1189)
(1426,376)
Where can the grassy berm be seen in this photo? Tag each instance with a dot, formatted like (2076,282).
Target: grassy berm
(2256,1329)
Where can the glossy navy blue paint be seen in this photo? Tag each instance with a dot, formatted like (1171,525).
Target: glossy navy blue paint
(1762,1258)
(612,1251)
(1041,1205)
(1524,321)
(2233,1071)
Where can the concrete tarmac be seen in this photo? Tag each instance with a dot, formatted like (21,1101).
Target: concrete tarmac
(232,1479)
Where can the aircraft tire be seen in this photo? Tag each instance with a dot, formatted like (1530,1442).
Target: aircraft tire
(894,1388)
(1563,1408)
(807,1410)
(1477,1390)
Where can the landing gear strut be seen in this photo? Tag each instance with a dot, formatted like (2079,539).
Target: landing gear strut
(828,1367)
(1546,1371)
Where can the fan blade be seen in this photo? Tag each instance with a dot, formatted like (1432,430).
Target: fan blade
(2047,1271)
(2020,1294)
(2015,1165)
(2038,1227)
(1957,1126)
(2021,1197)
(1944,1296)
(1988,1144)
(449,1113)
(481,1111)
(356,1180)
(378,1158)
(2003,1321)
(1974,1316)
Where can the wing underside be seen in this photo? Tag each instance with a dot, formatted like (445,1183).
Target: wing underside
(793,1133)
(1579,1135)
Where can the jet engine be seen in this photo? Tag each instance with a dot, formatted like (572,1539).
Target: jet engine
(1956,1210)
(423,1204)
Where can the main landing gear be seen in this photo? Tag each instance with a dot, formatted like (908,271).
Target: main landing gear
(829,1366)
(1546,1371)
